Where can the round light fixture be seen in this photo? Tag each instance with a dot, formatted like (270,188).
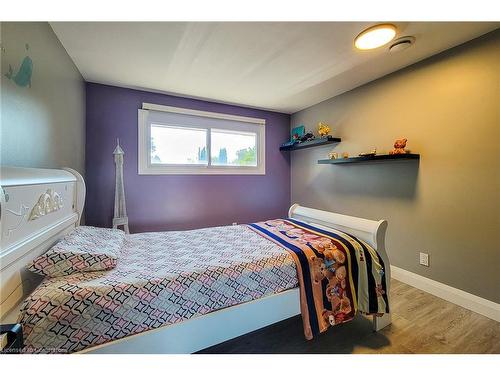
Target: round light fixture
(375,36)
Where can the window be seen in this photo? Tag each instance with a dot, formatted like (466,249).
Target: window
(233,148)
(181,141)
(175,145)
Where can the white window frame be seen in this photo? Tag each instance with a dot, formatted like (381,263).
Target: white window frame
(234,123)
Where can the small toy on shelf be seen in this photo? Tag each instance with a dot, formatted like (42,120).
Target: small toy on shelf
(345,155)
(333,155)
(309,136)
(288,144)
(297,133)
(399,147)
(371,153)
(323,129)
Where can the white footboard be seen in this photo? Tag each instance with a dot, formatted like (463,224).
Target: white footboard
(370,231)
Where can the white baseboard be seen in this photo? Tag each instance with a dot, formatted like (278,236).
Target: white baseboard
(469,301)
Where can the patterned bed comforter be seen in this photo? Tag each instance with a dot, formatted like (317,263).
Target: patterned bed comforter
(161,278)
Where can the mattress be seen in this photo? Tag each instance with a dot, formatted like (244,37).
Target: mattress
(161,278)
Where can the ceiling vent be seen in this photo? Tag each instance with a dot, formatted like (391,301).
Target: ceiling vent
(402,43)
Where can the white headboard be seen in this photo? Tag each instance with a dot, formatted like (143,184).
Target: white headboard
(37,207)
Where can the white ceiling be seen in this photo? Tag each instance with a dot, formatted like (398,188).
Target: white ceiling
(282,66)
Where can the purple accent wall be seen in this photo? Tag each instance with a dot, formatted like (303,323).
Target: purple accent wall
(176,202)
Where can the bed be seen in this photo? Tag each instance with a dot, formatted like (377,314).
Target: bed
(234,280)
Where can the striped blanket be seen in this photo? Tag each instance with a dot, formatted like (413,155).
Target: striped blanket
(338,274)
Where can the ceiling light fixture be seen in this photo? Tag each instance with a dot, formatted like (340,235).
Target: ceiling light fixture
(375,36)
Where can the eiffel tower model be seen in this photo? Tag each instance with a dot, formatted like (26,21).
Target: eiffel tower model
(120,218)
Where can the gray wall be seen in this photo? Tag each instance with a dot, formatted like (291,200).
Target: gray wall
(41,126)
(446,205)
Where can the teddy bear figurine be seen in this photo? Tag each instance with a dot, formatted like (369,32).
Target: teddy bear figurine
(399,147)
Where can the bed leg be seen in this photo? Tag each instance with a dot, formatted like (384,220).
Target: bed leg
(381,322)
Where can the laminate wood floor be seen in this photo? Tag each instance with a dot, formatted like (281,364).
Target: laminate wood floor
(421,323)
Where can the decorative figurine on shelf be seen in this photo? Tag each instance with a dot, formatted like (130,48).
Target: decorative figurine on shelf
(345,155)
(297,133)
(371,153)
(399,147)
(323,129)
(288,144)
(309,136)
(333,155)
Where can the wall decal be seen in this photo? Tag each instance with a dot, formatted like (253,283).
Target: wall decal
(23,76)
(48,202)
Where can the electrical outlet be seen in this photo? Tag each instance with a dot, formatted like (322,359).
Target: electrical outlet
(424,259)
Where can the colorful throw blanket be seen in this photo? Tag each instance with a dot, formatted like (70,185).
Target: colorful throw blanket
(338,273)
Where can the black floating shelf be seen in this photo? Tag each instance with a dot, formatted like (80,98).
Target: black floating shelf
(367,159)
(314,143)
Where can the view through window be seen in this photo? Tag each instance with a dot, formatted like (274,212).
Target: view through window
(184,146)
